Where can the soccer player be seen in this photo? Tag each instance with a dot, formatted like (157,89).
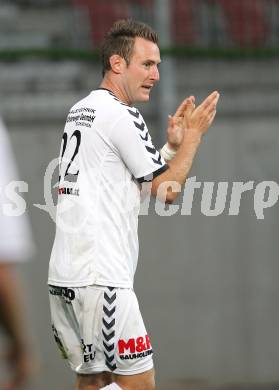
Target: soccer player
(106,157)
(15,247)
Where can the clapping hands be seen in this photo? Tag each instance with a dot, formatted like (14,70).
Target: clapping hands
(190,118)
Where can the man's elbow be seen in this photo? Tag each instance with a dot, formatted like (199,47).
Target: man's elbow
(167,196)
(170,197)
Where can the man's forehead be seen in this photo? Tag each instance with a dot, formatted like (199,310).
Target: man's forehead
(146,49)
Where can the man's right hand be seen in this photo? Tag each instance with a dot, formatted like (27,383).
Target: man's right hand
(201,118)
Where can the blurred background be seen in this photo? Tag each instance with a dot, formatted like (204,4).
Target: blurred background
(208,286)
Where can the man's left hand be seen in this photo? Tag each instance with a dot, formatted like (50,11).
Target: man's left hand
(177,124)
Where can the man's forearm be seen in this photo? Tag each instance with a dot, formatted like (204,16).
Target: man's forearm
(180,165)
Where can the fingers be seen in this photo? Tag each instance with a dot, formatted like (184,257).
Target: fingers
(170,122)
(211,100)
(181,109)
(192,98)
(190,107)
(188,116)
(213,105)
(171,126)
(187,104)
(212,116)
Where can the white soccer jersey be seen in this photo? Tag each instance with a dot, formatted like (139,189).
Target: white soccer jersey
(106,152)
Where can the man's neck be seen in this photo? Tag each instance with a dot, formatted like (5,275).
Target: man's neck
(115,89)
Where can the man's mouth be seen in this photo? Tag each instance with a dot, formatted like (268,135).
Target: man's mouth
(147,87)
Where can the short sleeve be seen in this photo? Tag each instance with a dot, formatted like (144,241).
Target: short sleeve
(131,138)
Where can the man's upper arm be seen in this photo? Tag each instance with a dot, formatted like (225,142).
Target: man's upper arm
(131,138)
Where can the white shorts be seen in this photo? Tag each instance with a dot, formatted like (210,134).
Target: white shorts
(100,329)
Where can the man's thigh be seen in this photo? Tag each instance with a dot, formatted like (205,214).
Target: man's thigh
(144,381)
(93,381)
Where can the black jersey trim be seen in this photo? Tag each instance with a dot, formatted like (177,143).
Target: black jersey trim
(105,89)
(152,175)
(112,94)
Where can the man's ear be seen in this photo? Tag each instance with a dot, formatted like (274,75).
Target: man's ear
(117,63)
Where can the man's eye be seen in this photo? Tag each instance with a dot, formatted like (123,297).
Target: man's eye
(146,65)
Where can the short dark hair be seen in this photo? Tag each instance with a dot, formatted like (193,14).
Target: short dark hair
(120,40)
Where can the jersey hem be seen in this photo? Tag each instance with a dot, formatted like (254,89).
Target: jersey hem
(105,283)
(135,371)
(98,369)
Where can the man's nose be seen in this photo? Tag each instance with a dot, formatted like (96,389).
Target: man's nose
(155,75)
